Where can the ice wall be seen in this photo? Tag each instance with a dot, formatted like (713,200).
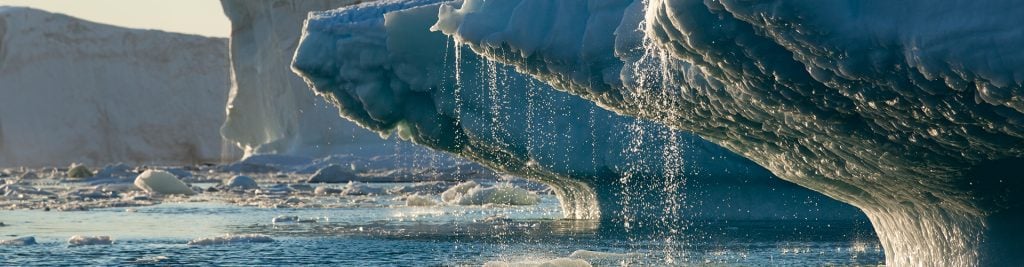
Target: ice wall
(386,70)
(908,110)
(271,110)
(77,91)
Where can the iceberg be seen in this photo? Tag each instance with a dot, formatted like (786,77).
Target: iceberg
(269,109)
(911,111)
(380,64)
(281,125)
(77,91)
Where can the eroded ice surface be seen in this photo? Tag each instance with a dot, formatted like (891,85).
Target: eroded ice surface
(419,85)
(910,110)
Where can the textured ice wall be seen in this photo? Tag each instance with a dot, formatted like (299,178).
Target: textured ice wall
(77,91)
(383,67)
(270,110)
(909,110)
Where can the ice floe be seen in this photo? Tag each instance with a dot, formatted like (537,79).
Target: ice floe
(80,240)
(21,241)
(156,181)
(231,239)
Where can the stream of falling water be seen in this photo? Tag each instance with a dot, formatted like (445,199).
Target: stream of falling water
(671,225)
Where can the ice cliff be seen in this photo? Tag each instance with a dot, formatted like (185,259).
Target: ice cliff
(383,67)
(270,110)
(910,110)
(77,91)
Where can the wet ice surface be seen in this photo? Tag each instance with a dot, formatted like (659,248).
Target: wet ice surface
(294,225)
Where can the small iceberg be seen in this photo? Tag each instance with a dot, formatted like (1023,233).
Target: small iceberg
(362,189)
(79,240)
(333,174)
(21,241)
(241,182)
(157,181)
(457,191)
(231,239)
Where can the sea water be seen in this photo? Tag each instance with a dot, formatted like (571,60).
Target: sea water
(382,231)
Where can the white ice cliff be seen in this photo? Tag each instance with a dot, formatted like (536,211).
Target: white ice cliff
(910,110)
(270,109)
(77,91)
(383,67)
(281,125)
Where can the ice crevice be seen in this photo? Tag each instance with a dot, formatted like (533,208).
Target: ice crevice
(910,111)
(385,70)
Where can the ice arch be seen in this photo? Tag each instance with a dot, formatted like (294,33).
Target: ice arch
(383,67)
(909,110)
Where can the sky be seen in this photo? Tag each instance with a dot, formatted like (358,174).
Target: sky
(203,17)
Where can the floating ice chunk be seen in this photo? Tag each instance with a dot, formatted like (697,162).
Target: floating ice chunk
(420,188)
(284,219)
(333,174)
(323,190)
(501,194)
(21,241)
(471,193)
(457,191)
(150,260)
(420,201)
(156,181)
(79,240)
(231,239)
(79,171)
(559,262)
(241,182)
(361,189)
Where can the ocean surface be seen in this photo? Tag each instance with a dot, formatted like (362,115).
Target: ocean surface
(382,231)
